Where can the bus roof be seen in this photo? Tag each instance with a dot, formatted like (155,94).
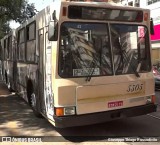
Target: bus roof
(94,3)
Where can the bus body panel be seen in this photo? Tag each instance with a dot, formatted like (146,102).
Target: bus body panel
(101,117)
(103,97)
(103,89)
(111,96)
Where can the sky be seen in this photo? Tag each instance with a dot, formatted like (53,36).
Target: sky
(39,5)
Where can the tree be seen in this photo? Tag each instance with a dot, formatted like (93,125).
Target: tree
(18,10)
(10,9)
(4,28)
(27,11)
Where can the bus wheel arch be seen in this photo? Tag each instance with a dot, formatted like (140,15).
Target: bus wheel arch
(32,99)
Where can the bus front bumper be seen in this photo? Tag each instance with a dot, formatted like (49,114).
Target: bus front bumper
(100,117)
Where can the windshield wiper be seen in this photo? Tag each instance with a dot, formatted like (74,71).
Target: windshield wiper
(127,60)
(91,71)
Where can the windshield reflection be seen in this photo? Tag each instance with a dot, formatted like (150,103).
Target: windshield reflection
(130,49)
(85,49)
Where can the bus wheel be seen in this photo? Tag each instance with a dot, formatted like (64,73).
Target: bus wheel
(33,102)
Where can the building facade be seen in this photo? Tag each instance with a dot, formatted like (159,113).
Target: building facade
(134,3)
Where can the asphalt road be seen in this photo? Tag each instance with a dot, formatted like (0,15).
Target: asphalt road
(17,119)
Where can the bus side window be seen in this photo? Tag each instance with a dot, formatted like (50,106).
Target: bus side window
(21,45)
(66,54)
(5,49)
(9,47)
(31,42)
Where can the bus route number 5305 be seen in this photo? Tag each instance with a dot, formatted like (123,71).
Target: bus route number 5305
(135,87)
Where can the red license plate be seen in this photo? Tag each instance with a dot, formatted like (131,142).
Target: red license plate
(115,104)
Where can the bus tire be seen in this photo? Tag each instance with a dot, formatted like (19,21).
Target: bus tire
(32,99)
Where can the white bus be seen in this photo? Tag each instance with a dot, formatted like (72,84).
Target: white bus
(81,63)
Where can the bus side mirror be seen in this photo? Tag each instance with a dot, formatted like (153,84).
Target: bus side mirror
(151,27)
(53,31)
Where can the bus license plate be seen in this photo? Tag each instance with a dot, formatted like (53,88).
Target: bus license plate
(115,104)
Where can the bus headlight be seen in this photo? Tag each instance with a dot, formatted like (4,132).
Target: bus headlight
(69,110)
(62,111)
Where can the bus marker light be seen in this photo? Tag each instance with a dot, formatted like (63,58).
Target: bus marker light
(145,16)
(153,99)
(64,11)
(59,111)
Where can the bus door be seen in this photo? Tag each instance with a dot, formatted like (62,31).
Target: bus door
(41,70)
(47,76)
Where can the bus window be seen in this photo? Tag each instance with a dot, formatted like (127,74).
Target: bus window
(31,43)
(5,48)
(130,49)
(93,13)
(84,47)
(21,45)
(30,32)
(9,47)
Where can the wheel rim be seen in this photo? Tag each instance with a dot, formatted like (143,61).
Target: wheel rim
(33,100)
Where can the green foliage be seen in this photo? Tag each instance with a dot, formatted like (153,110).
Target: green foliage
(10,9)
(27,11)
(18,10)
(4,29)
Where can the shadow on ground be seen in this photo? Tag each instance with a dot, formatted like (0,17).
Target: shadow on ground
(17,117)
(15,109)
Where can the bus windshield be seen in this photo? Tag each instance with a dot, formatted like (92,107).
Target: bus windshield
(89,47)
(130,45)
